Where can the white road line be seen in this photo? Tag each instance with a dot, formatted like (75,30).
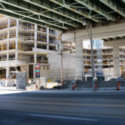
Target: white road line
(63,117)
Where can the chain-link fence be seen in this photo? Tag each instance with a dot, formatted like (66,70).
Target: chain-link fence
(98,84)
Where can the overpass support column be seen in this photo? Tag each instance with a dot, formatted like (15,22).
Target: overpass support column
(116,61)
(7,72)
(35,54)
(79,60)
(7,75)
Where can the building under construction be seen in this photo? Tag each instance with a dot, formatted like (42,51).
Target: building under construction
(106,57)
(23,45)
(107,60)
(17,41)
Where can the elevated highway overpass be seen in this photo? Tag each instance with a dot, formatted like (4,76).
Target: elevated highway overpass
(65,14)
(106,16)
(113,30)
(71,17)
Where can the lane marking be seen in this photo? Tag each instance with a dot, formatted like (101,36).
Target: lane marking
(65,104)
(63,117)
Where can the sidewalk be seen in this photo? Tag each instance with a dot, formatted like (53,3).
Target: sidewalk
(11,90)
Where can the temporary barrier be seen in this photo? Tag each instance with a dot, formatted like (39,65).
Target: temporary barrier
(74,86)
(118,86)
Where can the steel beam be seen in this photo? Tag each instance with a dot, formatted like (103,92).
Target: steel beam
(25,15)
(75,10)
(60,12)
(19,17)
(112,5)
(29,19)
(96,9)
(36,11)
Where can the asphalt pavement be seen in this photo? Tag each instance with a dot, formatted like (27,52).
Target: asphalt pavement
(62,108)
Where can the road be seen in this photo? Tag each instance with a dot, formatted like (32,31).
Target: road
(62,108)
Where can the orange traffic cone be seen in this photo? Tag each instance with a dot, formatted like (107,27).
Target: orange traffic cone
(118,86)
(74,86)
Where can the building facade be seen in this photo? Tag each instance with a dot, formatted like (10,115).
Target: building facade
(23,45)
(108,62)
(17,41)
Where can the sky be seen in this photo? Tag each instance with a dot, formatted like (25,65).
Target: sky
(97,43)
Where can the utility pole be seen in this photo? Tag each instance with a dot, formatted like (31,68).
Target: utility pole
(92,57)
(61,56)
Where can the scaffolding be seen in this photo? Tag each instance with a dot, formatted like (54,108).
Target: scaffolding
(17,40)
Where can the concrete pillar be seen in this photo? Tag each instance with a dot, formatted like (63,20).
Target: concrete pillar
(7,72)
(17,38)
(79,60)
(8,36)
(28,71)
(35,46)
(71,47)
(57,41)
(116,44)
(35,36)
(116,61)
(34,75)
(47,38)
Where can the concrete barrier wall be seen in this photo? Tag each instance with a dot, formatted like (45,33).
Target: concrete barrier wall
(101,84)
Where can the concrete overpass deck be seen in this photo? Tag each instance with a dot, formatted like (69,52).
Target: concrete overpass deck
(65,14)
